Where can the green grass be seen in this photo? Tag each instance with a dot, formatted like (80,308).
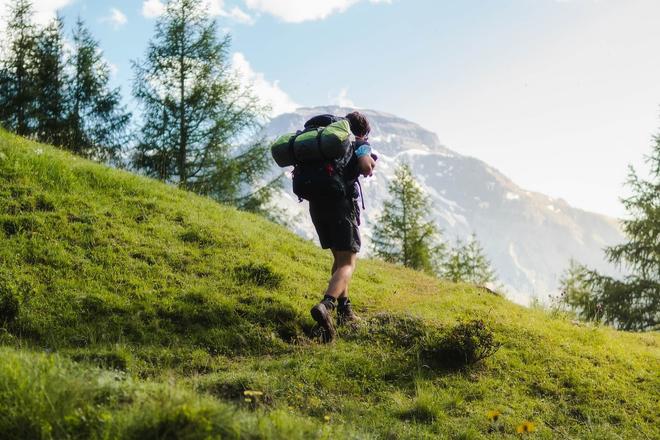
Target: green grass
(130,309)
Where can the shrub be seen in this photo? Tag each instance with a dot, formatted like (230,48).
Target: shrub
(466,344)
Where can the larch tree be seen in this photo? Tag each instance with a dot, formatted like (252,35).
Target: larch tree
(97,123)
(632,303)
(51,81)
(199,121)
(403,233)
(18,71)
(466,262)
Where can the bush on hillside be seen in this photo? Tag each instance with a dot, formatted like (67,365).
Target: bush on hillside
(465,344)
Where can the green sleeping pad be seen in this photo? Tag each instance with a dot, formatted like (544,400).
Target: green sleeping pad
(323,143)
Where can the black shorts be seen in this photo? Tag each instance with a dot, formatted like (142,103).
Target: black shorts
(337,224)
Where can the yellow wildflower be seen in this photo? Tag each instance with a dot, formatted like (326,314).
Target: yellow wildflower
(326,418)
(252,393)
(248,400)
(525,427)
(493,415)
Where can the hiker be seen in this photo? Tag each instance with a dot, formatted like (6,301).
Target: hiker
(337,224)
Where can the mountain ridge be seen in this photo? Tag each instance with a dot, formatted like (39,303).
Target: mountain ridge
(529,236)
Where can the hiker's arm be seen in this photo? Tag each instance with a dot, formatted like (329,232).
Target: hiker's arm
(366,162)
(366,165)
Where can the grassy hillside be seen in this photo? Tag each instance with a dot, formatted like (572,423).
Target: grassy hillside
(129,309)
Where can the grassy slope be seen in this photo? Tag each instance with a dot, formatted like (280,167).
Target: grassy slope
(163,307)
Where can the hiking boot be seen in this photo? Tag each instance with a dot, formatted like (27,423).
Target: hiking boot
(321,314)
(346,315)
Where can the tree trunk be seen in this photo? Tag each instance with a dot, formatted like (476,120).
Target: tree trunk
(183,136)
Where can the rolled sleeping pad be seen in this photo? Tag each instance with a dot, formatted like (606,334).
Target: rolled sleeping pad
(323,143)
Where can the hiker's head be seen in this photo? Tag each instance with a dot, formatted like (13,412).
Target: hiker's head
(359,124)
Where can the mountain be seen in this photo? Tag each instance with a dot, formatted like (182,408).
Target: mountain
(529,237)
(132,310)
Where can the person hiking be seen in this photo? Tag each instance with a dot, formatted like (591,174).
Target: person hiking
(337,224)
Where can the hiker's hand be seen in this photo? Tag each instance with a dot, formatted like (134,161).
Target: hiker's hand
(366,165)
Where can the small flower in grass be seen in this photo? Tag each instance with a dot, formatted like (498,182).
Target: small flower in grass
(248,400)
(326,418)
(39,151)
(251,393)
(525,427)
(493,415)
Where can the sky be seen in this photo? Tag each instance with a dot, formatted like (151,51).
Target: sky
(559,95)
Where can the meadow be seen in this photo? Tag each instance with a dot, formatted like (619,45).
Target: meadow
(131,309)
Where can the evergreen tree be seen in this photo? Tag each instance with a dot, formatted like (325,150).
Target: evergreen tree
(402,234)
(632,303)
(51,81)
(197,115)
(641,253)
(466,262)
(96,122)
(17,74)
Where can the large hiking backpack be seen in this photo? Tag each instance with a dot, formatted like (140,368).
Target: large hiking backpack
(319,154)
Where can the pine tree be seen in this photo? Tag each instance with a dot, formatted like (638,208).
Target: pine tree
(402,234)
(96,122)
(51,81)
(641,253)
(17,74)
(466,262)
(197,115)
(632,303)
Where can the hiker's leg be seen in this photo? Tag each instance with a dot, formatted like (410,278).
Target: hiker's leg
(344,267)
(343,294)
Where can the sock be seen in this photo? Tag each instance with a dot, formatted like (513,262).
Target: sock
(344,301)
(328,298)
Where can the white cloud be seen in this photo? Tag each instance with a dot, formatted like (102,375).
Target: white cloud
(116,18)
(297,11)
(152,8)
(44,10)
(269,92)
(215,8)
(240,16)
(342,99)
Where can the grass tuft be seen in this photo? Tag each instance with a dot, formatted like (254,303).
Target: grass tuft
(259,275)
(9,303)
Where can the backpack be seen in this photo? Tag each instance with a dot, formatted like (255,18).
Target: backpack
(324,178)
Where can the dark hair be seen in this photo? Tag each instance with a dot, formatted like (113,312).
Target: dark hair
(359,124)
